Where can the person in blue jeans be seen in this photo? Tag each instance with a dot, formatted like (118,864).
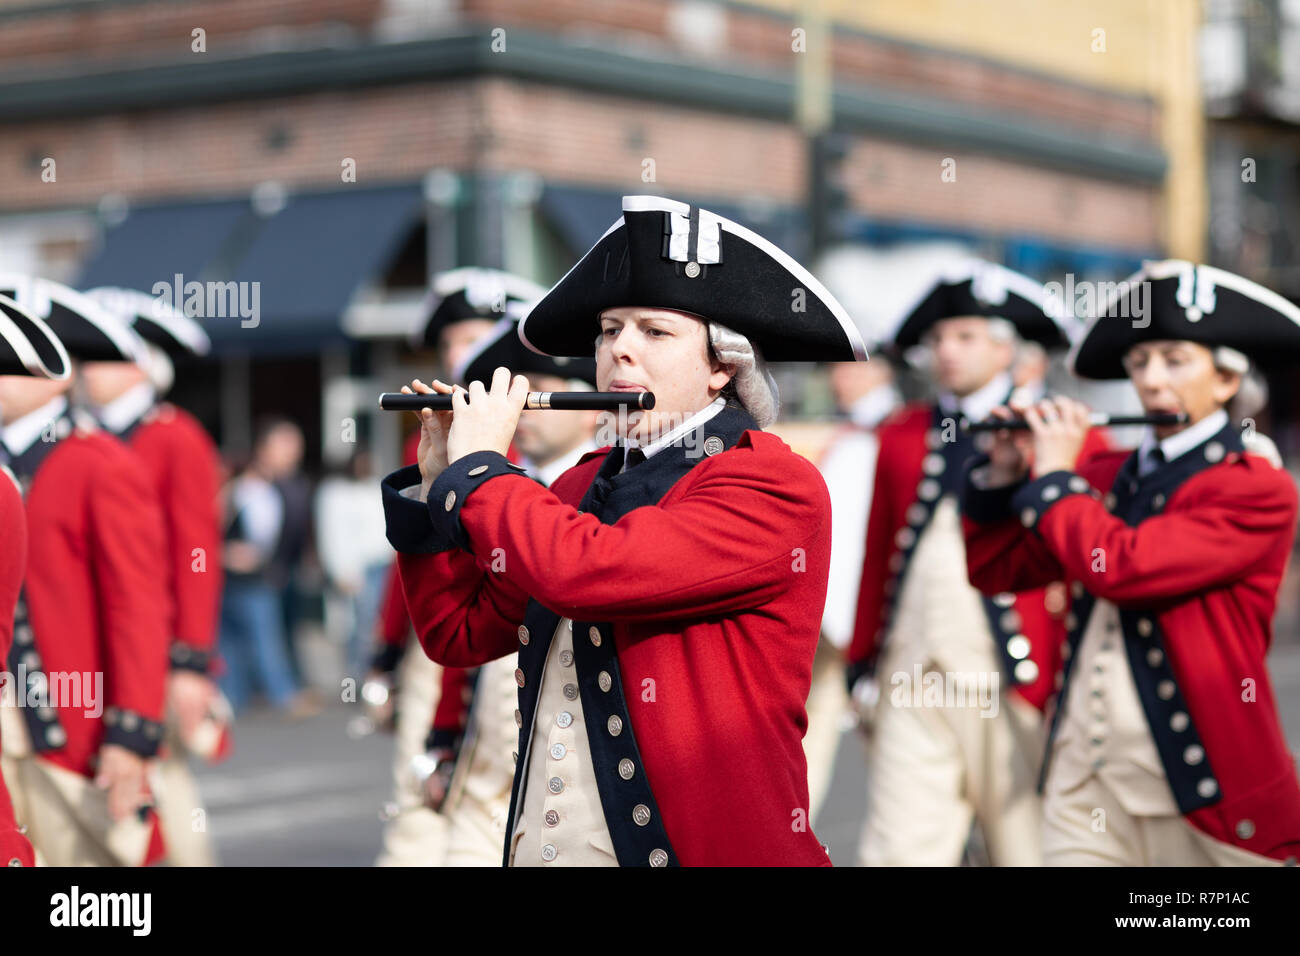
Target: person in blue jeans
(252,639)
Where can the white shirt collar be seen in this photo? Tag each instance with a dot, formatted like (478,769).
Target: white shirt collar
(547,473)
(21,434)
(870,409)
(977,405)
(695,421)
(128,408)
(1179,443)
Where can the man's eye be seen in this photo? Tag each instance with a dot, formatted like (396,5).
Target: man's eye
(608,332)
(655,332)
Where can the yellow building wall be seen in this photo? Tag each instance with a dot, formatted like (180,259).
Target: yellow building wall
(1150,49)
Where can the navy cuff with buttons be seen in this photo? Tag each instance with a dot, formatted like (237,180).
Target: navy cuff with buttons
(452,488)
(187,658)
(987,505)
(406,520)
(1033,499)
(126,728)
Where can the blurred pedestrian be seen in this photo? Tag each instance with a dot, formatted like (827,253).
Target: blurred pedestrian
(354,553)
(252,641)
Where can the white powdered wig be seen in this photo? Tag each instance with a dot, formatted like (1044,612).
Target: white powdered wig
(753,383)
(158,367)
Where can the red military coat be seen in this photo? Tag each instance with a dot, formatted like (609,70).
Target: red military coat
(95,593)
(704,606)
(1192,558)
(13,560)
(183,465)
(915,466)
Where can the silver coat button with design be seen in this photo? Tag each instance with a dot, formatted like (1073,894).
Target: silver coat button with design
(626,768)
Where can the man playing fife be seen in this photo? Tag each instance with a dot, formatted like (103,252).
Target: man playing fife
(1165,748)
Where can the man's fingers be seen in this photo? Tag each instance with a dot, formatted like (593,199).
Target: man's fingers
(519,390)
(500,380)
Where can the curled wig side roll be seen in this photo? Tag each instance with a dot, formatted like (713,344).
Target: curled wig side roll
(754,385)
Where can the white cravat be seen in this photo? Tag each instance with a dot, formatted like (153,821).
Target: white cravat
(977,405)
(128,408)
(20,434)
(1179,443)
(695,421)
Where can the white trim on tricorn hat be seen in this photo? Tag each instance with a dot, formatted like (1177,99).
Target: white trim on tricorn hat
(470,292)
(155,320)
(1187,302)
(87,330)
(971,286)
(28,346)
(690,260)
(503,347)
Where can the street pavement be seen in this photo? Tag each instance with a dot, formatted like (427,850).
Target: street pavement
(310,793)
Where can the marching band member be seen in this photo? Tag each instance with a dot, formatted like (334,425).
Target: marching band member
(1166,747)
(27,348)
(665,596)
(462,307)
(94,605)
(934,765)
(185,468)
(474,745)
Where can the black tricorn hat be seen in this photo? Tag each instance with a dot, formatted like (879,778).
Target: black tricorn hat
(1178,300)
(976,287)
(670,255)
(28,346)
(501,347)
(471,293)
(155,320)
(87,330)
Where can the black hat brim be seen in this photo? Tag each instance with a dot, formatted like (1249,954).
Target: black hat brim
(1245,316)
(28,346)
(88,331)
(1024,306)
(155,321)
(753,288)
(503,348)
(450,301)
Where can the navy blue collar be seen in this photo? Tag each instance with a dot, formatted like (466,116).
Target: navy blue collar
(1137,498)
(613,494)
